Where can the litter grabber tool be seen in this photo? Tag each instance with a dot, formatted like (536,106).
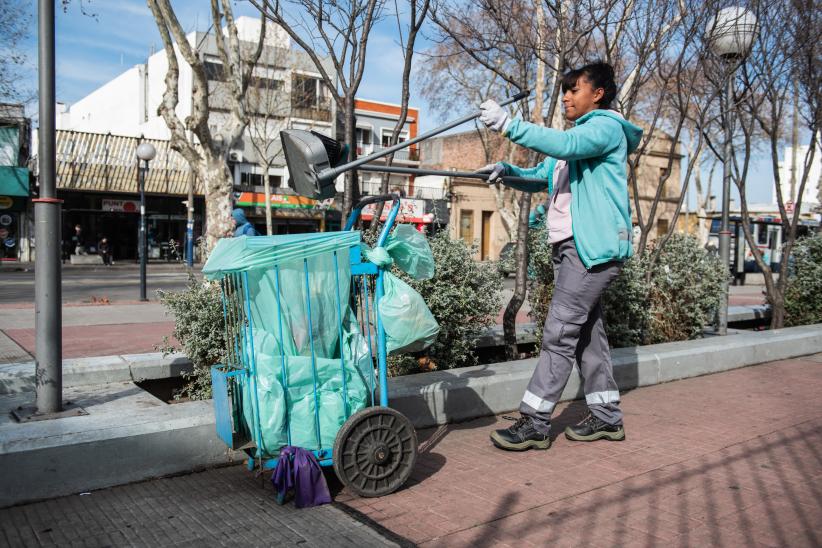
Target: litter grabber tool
(314,160)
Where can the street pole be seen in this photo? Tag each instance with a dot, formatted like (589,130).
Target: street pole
(190,223)
(48,270)
(724,229)
(142,236)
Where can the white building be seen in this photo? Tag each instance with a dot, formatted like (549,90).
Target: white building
(810,197)
(285,91)
(127,105)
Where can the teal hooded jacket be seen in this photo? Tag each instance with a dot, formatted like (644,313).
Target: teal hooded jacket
(596,150)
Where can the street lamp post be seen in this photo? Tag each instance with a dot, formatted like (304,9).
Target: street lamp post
(731,34)
(145,153)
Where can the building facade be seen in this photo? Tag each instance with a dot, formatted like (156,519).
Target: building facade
(790,178)
(16,226)
(102,129)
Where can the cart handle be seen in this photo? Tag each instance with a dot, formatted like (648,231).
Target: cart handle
(392,216)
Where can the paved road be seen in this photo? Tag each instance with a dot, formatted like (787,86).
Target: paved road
(85,284)
(732,459)
(222,507)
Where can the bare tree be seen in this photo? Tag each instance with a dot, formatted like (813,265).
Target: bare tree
(339,31)
(204,145)
(417,15)
(14,28)
(268,104)
(786,53)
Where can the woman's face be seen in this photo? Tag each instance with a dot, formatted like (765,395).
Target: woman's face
(581,99)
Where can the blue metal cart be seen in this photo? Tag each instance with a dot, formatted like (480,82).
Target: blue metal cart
(375,449)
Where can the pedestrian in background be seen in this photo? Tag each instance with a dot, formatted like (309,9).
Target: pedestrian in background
(78,242)
(104,249)
(589,225)
(242,226)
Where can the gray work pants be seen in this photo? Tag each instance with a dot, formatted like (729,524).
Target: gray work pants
(574,330)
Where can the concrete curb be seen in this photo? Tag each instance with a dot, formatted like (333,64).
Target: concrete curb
(19,377)
(442,397)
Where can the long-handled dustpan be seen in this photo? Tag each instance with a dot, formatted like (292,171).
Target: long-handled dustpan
(314,160)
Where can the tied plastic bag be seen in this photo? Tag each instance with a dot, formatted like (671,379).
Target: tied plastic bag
(409,325)
(411,252)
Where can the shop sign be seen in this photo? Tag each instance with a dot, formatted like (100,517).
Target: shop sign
(280,201)
(6,202)
(121,206)
(411,211)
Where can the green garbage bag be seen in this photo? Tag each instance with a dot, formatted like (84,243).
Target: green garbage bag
(409,325)
(315,268)
(411,253)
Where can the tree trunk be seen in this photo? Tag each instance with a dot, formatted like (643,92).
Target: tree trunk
(509,317)
(218,186)
(350,129)
(267,188)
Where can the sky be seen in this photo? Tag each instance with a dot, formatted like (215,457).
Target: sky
(114,35)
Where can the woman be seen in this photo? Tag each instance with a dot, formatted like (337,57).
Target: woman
(589,225)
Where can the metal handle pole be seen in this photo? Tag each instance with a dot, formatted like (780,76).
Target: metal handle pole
(444,173)
(333,173)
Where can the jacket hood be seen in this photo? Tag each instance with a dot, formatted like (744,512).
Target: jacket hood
(239,216)
(633,134)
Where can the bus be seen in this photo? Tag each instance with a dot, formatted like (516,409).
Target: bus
(768,236)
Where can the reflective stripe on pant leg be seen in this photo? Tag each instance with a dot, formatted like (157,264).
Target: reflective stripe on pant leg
(606,396)
(536,403)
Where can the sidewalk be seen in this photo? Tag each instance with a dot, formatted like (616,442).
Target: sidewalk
(732,459)
(222,507)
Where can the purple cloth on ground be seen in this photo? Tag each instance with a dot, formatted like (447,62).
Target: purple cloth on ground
(298,469)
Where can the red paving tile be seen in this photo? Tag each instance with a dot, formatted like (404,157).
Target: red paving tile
(732,459)
(102,340)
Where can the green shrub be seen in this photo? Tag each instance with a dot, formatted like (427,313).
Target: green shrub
(464,296)
(681,298)
(803,294)
(199,327)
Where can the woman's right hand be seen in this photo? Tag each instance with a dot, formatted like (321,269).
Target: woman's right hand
(495,171)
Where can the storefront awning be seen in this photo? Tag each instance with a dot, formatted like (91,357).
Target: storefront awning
(14,181)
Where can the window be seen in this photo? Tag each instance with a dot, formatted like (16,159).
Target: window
(762,234)
(467,226)
(386,138)
(263,83)
(214,68)
(256,179)
(661,227)
(304,91)
(363,136)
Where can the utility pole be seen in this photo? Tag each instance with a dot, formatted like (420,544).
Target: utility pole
(47,208)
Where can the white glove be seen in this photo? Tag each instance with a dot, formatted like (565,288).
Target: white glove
(495,171)
(494,116)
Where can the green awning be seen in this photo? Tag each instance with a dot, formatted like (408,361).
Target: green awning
(14,181)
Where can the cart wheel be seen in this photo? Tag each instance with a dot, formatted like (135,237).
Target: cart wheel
(375,451)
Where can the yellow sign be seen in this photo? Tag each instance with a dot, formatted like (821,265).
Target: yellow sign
(5,202)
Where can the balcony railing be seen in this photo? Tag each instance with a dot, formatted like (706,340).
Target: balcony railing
(404,155)
(318,110)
